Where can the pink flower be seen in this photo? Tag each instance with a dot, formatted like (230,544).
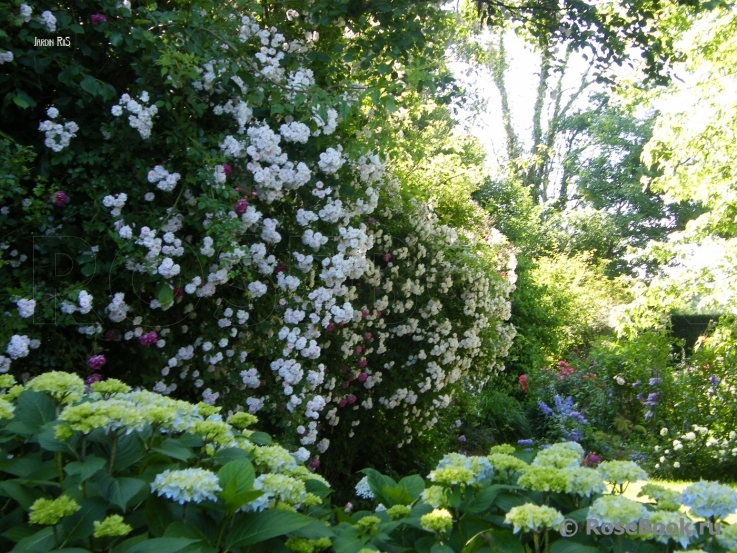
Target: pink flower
(92,379)
(227,168)
(364,313)
(178,292)
(96,361)
(362,377)
(387,257)
(343,403)
(97,18)
(371,221)
(367,336)
(241,206)
(314,464)
(352,399)
(330,327)
(346,383)
(362,363)
(378,314)
(148,339)
(343,369)
(112,335)
(59,198)
(359,349)
(348,507)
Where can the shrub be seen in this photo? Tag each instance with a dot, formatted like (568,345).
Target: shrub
(227,236)
(133,470)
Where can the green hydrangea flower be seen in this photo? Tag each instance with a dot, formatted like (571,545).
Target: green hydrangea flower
(51,511)
(207,410)
(7,380)
(369,524)
(435,496)
(710,499)
(109,414)
(273,458)
(533,518)
(187,485)
(242,420)
(63,387)
(558,458)
(112,527)
(438,520)
(216,432)
(621,472)
(544,479)
(110,386)
(303,545)
(728,537)
(6,409)
(13,393)
(281,487)
(666,499)
(503,448)
(449,476)
(506,462)
(617,509)
(584,481)
(665,518)
(569,446)
(398,511)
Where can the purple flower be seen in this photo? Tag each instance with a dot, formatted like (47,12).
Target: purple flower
(528,449)
(96,361)
(652,399)
(241,206)
(97,18)
(714,381)
(149,338)
(578,417)
(461,438)
(547,411)
(314,464)
(655,381)
(90,380)
(527,442)
(59,198)
(648,415)
(636,384)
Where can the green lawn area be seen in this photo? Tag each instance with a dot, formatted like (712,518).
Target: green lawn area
(635,488)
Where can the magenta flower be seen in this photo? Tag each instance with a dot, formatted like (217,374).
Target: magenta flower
(371,221)
(367,336)
(330,327)
(112,335)
(378,314)
(59,198)
(98,18)
(352,399)
(362,377)
(362,363)
(178,292)
(364,313)
(90,380)
(148,339)
(96,361)
(343,403)
(314,464)
(241,206)
(387,257)
(359,349)
(227,168)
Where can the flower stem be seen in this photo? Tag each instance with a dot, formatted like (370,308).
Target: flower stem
(113,452)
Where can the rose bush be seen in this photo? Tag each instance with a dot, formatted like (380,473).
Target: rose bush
(185,204)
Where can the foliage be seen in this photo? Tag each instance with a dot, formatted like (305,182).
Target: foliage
(130,470)
(209,225)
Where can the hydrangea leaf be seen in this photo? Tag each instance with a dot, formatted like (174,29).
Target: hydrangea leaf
(263,526)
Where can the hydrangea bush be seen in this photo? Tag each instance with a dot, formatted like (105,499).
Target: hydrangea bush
(185,204)
(103,467)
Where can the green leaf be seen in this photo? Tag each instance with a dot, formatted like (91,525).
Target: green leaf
(439,548)
(165,293)
(158,515)
(349,539)
(173,449)
(569,546)
(34,409)
(483,500)
(413,485)
(241,472)
(390,104)
(80,525)
(40,541)
(315,531)
(89,85)
(318,488)
(23,495)
(258,527)
(397,495)
(119,491)
(85,469)
(179,529)
(225,456)
(503,541)
(161,545)
(424,545)
(260,438)
(127,545)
